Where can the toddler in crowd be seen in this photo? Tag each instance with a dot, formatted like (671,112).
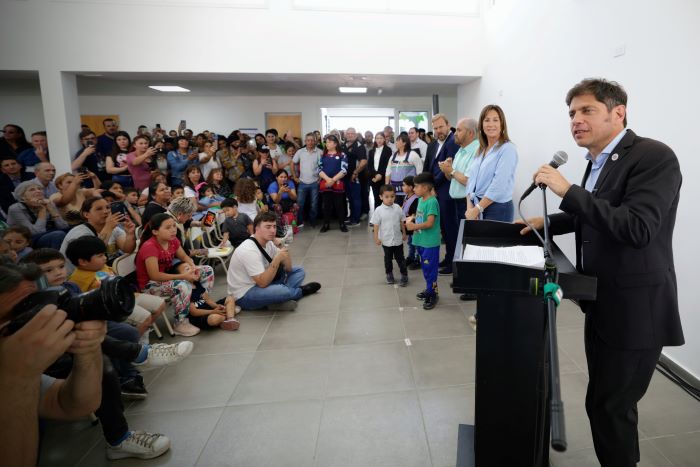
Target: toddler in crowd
(205,313)
(410,203)
(237,226)
(53,265)
(18,238)
(261,200)
(390,232)
(177,192)
(425,226)
(208,199)
(246,194)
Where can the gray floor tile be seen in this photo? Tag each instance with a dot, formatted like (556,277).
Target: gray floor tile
(650,457)
(199,381)
(368,298)
(355,248)
(280,434)
(444,410)
(682,449)
(366,369)
(188,432)
(573,394)
(443,321)
(324,276)
(570,340)
(666,409)
(376,430)
(360,277)
(569,315)
(246,338)
(326,250)
(335,262)
(294,330)
(326,300)
(373,259)
(361,327)
(65,443)
(280,375)
(443,362)
(407,295)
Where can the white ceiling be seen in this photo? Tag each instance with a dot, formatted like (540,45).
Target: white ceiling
(226,84)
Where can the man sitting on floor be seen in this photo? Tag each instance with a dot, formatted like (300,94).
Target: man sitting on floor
(261,274)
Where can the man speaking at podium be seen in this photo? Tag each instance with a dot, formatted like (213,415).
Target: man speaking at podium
(623,215)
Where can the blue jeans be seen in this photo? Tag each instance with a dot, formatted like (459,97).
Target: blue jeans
(304,190)
(354,197)
(499,212)
(429,262)
(277,292)
(51,239)
(127,333)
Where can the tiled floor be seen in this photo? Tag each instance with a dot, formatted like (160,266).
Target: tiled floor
(335,383)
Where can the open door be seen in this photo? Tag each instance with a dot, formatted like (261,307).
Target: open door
(284,122)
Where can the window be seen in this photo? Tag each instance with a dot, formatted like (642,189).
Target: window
(410,119)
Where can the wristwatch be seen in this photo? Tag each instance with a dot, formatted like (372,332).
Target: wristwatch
(478,206)
(453,172)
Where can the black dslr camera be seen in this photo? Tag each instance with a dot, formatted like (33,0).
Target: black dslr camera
(112,301)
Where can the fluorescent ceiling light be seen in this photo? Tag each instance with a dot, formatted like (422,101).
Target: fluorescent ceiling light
(169,88)
(355,90)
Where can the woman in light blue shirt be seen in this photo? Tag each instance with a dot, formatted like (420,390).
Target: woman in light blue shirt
(492,172)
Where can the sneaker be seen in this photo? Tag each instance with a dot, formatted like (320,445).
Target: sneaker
(230,324)
(404,281)
(414,266)
(352,224)
(430,302)
(325,228)
(134,389)
(421,295)
(184,328)
(343,228)
(166,354)
(446,271)
(472,322)
(237,310)
(139,444)
(390,279)
(310,288)
(289,305)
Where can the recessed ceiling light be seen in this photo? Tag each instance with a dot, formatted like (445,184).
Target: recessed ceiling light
(353,90)
(169,88)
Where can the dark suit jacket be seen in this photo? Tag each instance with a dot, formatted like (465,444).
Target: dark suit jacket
(384,158)
(430,164)
(7,199)
(624,232)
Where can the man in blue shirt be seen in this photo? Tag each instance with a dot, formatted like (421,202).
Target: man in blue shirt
(39,152)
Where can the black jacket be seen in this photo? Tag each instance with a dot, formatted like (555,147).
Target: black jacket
(384,158)
(7,188)
(624,232)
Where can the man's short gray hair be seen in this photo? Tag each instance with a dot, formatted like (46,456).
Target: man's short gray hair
(183,206)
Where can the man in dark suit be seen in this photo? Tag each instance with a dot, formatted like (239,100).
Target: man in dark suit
(623,215)
(442,148)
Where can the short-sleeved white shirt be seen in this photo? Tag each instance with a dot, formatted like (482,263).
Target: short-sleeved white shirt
(389,219)
(246,262)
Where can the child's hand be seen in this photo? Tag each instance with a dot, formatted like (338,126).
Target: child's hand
(377,241)
(405,237)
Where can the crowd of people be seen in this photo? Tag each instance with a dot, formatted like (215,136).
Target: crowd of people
(142,196)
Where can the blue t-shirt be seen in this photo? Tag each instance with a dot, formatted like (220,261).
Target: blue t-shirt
(274,188)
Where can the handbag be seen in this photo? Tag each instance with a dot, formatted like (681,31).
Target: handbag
(281,274)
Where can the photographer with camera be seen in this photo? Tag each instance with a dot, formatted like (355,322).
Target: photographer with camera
(24,355)
(112,301)
(90,158)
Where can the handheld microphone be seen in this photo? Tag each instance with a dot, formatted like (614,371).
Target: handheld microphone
(559,159)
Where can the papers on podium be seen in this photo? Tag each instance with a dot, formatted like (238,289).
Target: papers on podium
(530,256)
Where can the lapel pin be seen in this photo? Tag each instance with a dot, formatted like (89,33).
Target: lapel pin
(615,156)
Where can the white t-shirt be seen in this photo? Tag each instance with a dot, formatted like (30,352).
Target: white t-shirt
(249,209)
(190,193)
(206,167)
(389,220)
(246,262)
(276,153)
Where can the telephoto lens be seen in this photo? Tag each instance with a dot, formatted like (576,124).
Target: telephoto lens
(112,301)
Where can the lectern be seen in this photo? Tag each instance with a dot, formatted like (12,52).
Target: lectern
(511,423)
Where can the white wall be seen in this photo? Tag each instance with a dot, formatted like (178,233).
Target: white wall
(535,53)
(224,114)
(25,111)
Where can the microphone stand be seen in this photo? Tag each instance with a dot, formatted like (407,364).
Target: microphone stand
(552,297)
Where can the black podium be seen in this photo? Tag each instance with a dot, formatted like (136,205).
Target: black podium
(511,423)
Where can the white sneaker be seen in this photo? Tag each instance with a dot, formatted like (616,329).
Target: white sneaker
(166,354)
(237,310)
(184,328)
(139,444)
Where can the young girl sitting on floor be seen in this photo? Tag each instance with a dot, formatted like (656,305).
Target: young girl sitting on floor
(157,276)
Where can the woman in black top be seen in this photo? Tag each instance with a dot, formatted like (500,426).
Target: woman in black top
(377,162)
(158,199)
